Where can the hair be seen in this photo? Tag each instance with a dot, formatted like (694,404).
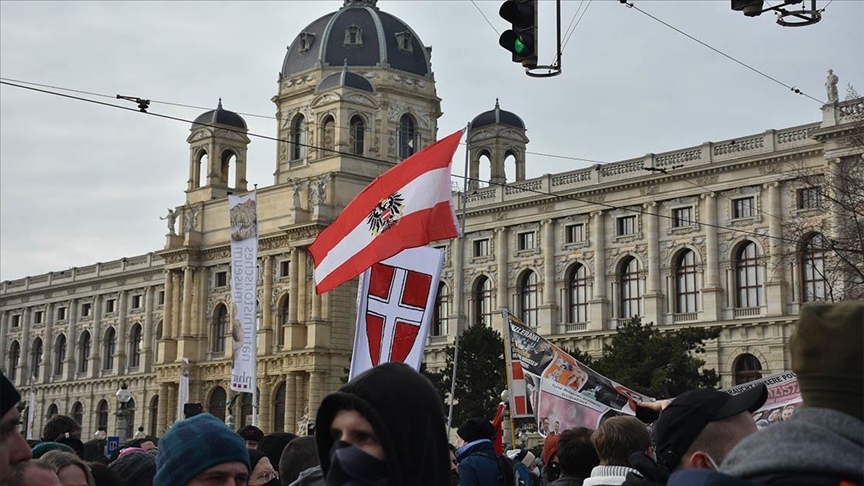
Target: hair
(576,454)
(618,437)
(299,455)
(60,425)
(59,459)
(17,478)
(716,439)
(102,476)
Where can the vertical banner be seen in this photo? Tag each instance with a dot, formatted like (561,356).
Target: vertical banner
(244,282)
(395,305)
(183,389)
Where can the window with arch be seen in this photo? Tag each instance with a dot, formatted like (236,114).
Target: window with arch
(407,137)
(154,346)
(483,301)
(130,423)
(280,398)
(283,318)
(630,296)
(59,354)
(577,294)
(747,369)
(78,412)
(216,405)
(529,302)
(52,411)
(297,138)
(84,347)
(814,284)
(36,357)
(328,136)
(748,277)
(202,168)
(218,329)
(109,347)
(154,413)
(686,290)
(14,359)
(228,168)
(102,415)
(135,346)
(441,314)
(358,135)
(246,410)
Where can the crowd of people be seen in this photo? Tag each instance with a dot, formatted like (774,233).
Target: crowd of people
(387,427)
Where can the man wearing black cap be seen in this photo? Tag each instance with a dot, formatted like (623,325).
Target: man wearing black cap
(478,462)
(251,435)
(13,447)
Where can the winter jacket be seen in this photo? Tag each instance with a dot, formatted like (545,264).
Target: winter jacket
(567,481)
(310,477)
(608,476)
(477,464)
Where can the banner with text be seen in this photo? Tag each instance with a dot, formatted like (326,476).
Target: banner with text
(784,397)
(244,281)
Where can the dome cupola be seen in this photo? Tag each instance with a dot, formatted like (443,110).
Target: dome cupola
(220,116)
(497,117)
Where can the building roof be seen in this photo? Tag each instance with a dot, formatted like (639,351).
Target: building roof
(347,79)
(220,116)
(497,117)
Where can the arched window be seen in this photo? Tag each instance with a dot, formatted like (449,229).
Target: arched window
(283,319)
(813,269)
(748,277)
(84,345)
(78,412)
(279,409)
(528,301)
(109,348)
(631,288)
(577,293)
(686,290)
(229,168)
(135,346)
(747,368)
(52,411)
(218,329)
(102,415)
(328,137)
(216,406)
(297,138)
(59,354)
(441,314)
(154,413)
(246,410)
(14,359)
(358,135)
(154,346)
(36,357)
(483,301)
(130,423)
(407,137)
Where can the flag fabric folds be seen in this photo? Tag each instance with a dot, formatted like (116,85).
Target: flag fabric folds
(408,206)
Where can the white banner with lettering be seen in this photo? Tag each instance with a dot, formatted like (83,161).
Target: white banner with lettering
(244,280)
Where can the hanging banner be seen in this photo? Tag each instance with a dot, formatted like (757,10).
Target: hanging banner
(183,389)
(244,282)
(395,304)
(784,397)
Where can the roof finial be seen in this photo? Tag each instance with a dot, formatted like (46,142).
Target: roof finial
(219,107)
(360,3)
(497,107)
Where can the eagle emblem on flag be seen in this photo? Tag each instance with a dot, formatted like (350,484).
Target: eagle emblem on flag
(386,213)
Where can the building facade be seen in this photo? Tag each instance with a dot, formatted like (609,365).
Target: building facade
(700,239)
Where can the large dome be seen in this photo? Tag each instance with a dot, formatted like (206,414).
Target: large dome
(497,117)
(219,116)
(358,35)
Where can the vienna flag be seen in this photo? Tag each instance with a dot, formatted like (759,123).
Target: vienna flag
(408,206)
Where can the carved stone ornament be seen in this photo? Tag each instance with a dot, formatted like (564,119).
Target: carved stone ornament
(708,180)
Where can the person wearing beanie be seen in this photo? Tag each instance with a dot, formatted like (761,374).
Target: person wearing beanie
(823,441)
(102,476)
(199,451)
(273,444)
(263,473)
(384,426)
(478,462)
(551,467)
(71,470)
(60,426)
(252,435)
(43,448)
(134,467)
(13,448)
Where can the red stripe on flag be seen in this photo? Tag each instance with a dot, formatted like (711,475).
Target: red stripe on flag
(518,372)
(521,409)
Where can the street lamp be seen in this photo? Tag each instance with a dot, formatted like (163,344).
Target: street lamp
(124,395)
(100,439)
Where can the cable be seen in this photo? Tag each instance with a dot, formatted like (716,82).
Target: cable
(826,6)
(484,17)
(718,51)
(577,25)
(575,14)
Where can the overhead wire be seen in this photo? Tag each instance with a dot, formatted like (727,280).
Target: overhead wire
(567,37)
(484,17)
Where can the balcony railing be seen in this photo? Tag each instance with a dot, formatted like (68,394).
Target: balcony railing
(575,326)
(747,312)
(685,317)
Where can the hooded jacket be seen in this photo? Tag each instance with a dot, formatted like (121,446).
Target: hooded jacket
(405,411)
(478,465)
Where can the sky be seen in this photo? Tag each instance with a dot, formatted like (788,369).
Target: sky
(82,183)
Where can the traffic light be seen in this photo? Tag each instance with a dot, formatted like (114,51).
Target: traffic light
(751,8)
(521,39)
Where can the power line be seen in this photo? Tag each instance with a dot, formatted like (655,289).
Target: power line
(485,18)
(577,25)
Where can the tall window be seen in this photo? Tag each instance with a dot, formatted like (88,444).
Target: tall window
(279,408)
(682,217)
(218,329)
(358,134)
(748,278)
(686,291)
(283,319)
(328,136)
(109,348)
(52,411)
(809,198)
(36,357)
(574,233)
(528,301)
(130,423)
(59,354)
(625,226)
(813,268)
(577,291)
(135,346)
(84,345)
(216,406)
(78,412)
(631,288)
(14,359)
(743,208)
(407,137)
(298,138)
(442,310)
(154,413)
(483,301)
(747,369)
(102,415)
(154,345)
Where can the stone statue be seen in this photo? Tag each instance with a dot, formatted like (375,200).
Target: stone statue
(831,87)
(172,218)
(190,218)
(322,186)
(297,186)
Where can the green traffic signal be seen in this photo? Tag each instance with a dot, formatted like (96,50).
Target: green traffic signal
(520,48)
(520,40)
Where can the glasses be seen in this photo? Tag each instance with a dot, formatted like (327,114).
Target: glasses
(264,478)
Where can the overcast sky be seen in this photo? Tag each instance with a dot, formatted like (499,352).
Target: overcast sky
(82,183)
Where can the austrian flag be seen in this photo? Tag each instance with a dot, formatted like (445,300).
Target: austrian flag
(408,206)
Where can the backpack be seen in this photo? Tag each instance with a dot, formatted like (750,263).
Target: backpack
(510,472)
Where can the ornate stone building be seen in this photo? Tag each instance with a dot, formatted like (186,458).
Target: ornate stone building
(698,240)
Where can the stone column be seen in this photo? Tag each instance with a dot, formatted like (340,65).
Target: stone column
(48,346)
(300,394)
(122,330)
(317,388)
(265,406)
(24,375)
(176,313)
(96,339)
(501,254)
(147,337)
(653,298)
(71,342)
(293,301)
(458,318)
(186,324)
(599,305)
(291,403)
(268,324)
(168,306)
(712,292)
(318,330)
(5,316)
(776,291)
(549,310)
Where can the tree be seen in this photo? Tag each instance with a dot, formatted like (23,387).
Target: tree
(480,374)
(655,363)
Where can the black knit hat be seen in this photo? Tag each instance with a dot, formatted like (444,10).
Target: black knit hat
(250,432)
(9,396)
(135,469)
(476,429)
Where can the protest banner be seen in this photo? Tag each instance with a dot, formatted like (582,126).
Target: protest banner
(784,397)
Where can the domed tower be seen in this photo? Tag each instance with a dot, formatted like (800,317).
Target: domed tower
(355,85)
(217,146)
(497,135)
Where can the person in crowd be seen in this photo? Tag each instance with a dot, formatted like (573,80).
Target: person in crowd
(74,443)
(274,444)
(102,476)
(454,466)
(252,435)
(615,440)
(299,455)
(60,426)
(71,470)
(823,441)
(551,467)
(145,443)
(313,476)
(201,451)
(135,467)
(478,462)
(263,473)
(576,457)
(385,424)
(13,448)
(33,473)
(787,413)
(43,448)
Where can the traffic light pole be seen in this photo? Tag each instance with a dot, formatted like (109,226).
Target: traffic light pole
(553,69)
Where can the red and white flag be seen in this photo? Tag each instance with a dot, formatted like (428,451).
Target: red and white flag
(396,302)
(408,206)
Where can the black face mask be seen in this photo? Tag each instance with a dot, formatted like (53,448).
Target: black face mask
(351,466)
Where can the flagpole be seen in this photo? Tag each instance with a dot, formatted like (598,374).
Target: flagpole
(460,270)
(255,341)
